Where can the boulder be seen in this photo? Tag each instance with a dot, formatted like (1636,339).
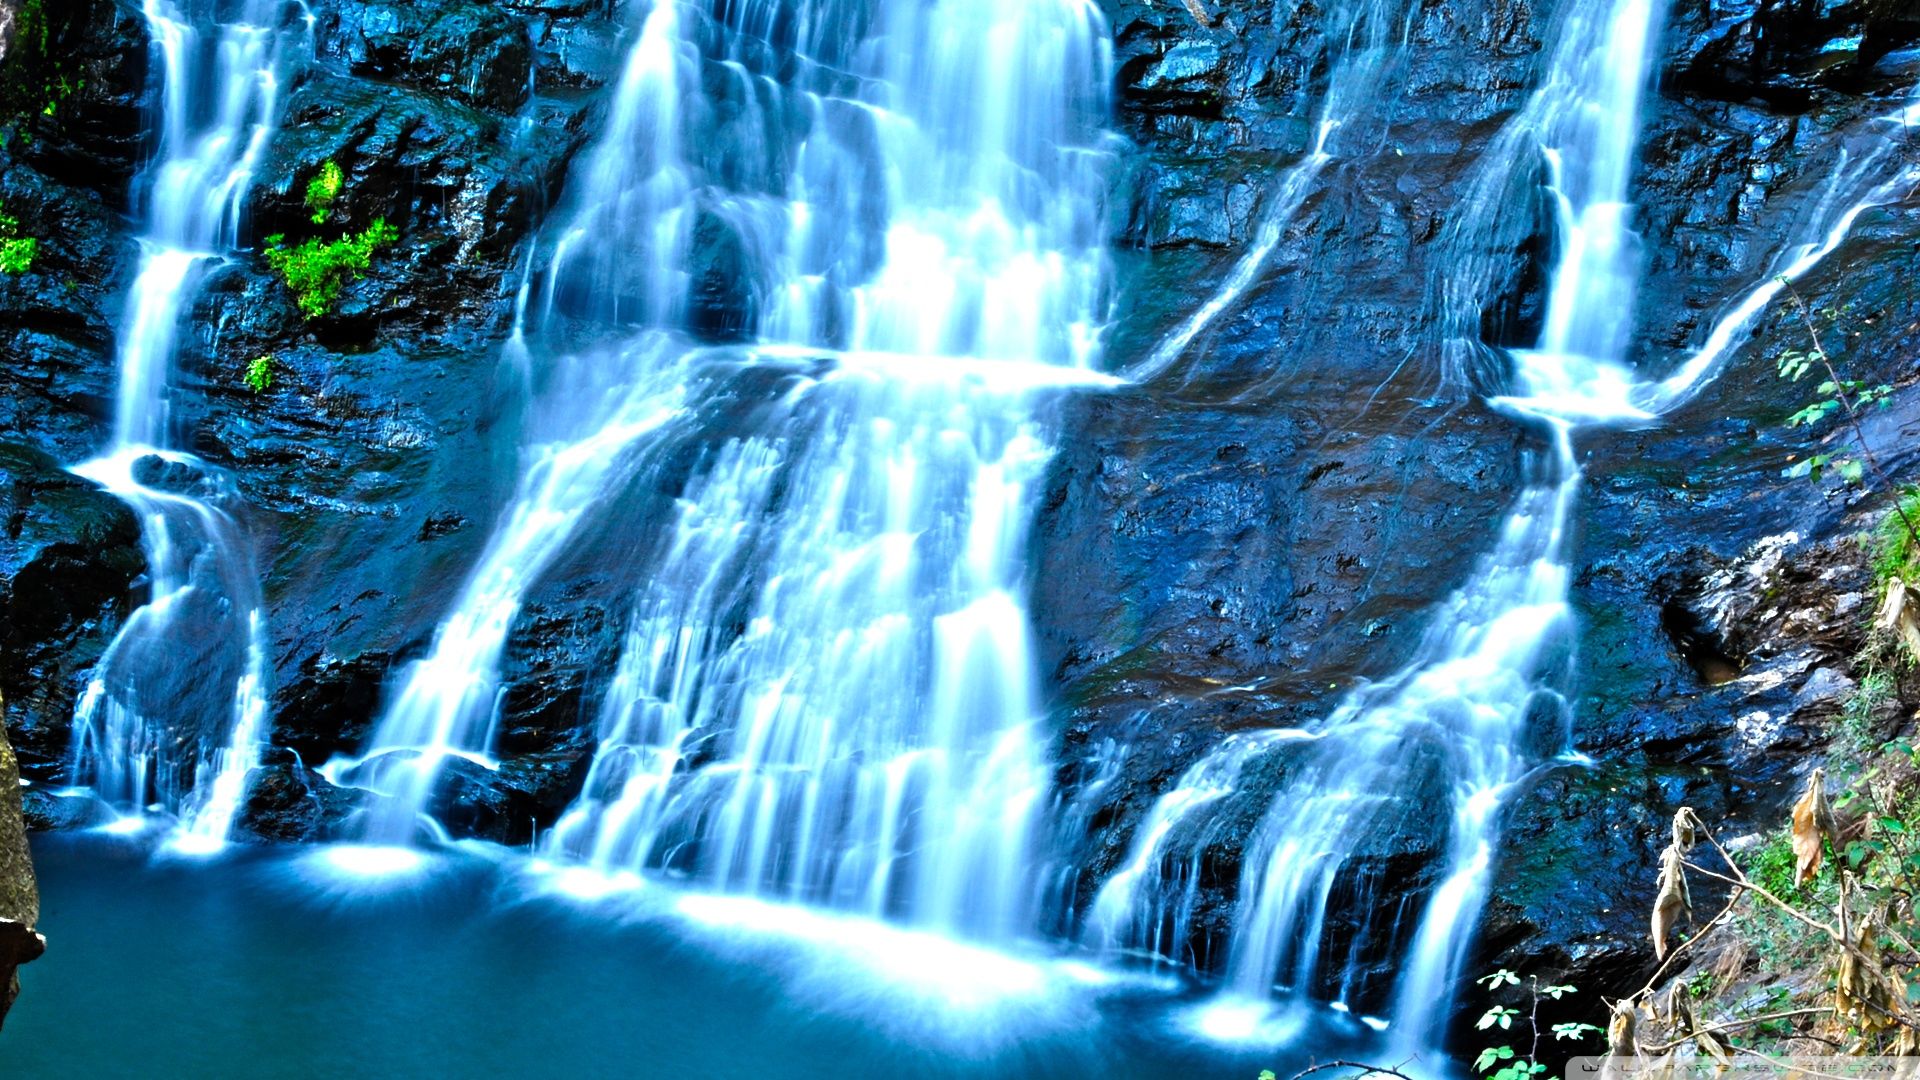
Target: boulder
(19,897)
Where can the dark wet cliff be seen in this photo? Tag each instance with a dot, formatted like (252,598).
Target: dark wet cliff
(1227,546)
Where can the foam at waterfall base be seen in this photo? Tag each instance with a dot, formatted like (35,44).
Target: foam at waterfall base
(1573,389)
(909,980)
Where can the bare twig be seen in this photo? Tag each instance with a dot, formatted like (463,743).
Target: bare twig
(1365,1068)
(1730,1025)
(1746,883)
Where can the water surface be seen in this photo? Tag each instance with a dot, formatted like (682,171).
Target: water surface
(270,963)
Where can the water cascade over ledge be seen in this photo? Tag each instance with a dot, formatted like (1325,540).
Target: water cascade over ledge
(1352,822)
(826,692)
(174,716)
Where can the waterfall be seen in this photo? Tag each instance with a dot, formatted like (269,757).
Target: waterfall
(174,715)
(623,252)
(1368,38)
(1867,174)
(1353,816)
(874,740)
(826,690)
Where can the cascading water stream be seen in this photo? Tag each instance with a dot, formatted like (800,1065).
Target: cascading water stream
(175,713)
(1368,38)
(1461,723)
(1477,709)
(826,692)
(874,725)
(623,253)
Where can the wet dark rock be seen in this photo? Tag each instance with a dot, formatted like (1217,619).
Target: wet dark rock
(69,558)
(80,101)
(286,801)
(513,802)
(55,318)
(476,53)
(722,304)
(1784,54)
(462,187)
(19,895)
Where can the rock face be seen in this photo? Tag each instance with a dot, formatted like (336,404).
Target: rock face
(19,898)
(1228,545)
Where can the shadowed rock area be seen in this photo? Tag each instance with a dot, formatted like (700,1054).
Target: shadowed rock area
(19,898)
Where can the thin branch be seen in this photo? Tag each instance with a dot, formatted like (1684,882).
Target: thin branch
(1853,414)
(1674,953)
(1744,882)
(1365,1068)
(1730,1025)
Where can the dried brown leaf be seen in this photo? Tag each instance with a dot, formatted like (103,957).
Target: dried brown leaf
(1686,829)
(1623,1046)
(1712,1048)
(1863,991)
(1812,824)
(1673,902)
(1897,614)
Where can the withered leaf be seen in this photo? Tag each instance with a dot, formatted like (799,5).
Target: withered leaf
(1863,991)
(1685,829)
(1714,1050)
(1812,823)
(1673,902)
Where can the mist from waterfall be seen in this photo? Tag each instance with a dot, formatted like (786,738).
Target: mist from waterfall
(172,720)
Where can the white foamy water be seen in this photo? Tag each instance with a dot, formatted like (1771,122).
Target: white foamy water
(174,716)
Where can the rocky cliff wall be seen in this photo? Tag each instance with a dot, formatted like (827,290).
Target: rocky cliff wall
(1277,512)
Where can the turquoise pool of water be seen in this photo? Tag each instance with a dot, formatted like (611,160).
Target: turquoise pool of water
(276,963)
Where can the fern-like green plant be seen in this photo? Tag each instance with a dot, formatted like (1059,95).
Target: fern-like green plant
(16,251)
(316,270)
(324,189)
(259,374)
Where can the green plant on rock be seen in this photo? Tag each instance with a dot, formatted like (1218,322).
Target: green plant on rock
(324,189)
(40,72)
(1896,553)
(16,251)
(1835,396)
(1504,1062)
(258,376)
(316,270)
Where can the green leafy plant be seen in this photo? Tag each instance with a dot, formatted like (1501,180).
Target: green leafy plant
(1835,396)
(1896,554)
(16,251)
(316,270)
(324,189)
(258,376)
(39,74)
(1504,1062)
